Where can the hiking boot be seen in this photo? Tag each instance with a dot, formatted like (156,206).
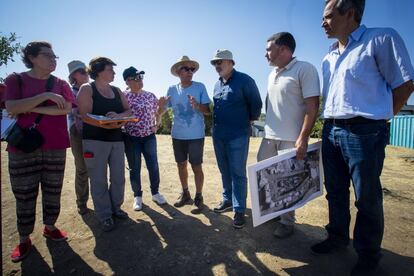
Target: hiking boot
(327,246)
(365,267)
(183,199)
(120,214)
(55,235)
(159,199)
(137,203)
(21,251)
(223,207)
(239,220)
(108,225)
(283,230)
(82,209)
(198,204)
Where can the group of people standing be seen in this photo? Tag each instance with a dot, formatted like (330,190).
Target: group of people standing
(367,77)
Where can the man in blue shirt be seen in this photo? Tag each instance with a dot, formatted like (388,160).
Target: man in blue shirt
(237,103)
(367,78)
(189,101)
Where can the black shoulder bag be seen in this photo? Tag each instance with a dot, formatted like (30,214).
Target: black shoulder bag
(28,139)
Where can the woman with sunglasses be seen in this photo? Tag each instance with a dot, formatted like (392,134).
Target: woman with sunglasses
(77,77)
(140,136)
(27,98)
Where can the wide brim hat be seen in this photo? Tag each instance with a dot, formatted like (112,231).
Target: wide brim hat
(180,62)
(75,65)
(222,54)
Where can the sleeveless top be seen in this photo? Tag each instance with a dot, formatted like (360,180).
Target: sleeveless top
(101,106)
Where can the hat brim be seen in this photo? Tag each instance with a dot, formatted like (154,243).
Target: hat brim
(134,75)
(214,59)
(176,66)
(77,67)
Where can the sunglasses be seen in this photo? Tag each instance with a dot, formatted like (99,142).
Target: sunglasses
(81,71)
(48,55)
(136,78)
(217,62)
(188,69)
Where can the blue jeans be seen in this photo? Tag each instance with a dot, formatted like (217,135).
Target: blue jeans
(147,146)
(355,152)
(231,155)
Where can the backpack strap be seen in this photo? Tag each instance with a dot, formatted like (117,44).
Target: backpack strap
(19,82)
(49,85)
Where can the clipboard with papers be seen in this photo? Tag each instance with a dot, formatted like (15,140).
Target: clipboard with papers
(106,120)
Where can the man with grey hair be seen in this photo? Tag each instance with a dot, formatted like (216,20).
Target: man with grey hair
(237,102)
(292,105)
(367,78)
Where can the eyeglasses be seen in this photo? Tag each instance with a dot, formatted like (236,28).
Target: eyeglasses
(81,71)
(188,69)
(217,62)
(49,55)
(137,78)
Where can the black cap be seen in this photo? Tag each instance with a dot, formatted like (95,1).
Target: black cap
(131,72)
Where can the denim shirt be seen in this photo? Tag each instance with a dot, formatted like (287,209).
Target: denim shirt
(359,81)
(236,103)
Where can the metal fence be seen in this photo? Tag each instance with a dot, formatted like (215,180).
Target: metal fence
(402,131)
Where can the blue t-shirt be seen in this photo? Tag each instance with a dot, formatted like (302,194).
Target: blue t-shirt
(188,123)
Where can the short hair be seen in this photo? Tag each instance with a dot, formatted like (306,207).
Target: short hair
(284,38)
(33,49)
(345,5)
(97,65)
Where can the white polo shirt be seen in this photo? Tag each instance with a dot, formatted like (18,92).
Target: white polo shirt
(288,87)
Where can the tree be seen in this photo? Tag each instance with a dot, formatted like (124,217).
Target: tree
(8,48)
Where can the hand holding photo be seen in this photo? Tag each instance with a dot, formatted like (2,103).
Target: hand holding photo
(283,183)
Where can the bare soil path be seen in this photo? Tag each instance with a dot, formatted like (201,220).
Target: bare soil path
(171,241)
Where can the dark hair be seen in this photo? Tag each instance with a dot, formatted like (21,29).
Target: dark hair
(97,65)
(284,38)
(345,5)
(32,49)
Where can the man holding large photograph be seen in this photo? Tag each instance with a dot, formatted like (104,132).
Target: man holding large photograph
(292,106)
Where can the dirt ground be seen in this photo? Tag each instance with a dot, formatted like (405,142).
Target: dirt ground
(171,241)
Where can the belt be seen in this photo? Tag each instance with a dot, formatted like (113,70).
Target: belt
(353,121)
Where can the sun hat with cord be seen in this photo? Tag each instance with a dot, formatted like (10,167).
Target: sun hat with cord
(183,61)
(222,54)
(75,65)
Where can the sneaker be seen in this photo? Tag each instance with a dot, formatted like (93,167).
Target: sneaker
(159,199)
(327,246)
(21,251)
(55,235)
(223,207)
(198,204)
(283,230)
(137,203)
(120,214)
(108,225)
(82,209)
(239,220)
(183,199)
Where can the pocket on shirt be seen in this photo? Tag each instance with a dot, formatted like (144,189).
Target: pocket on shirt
(362,66)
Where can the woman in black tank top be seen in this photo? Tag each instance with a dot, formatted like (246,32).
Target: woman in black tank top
(103,144)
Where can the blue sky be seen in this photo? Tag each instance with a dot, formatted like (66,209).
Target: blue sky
(152,35)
